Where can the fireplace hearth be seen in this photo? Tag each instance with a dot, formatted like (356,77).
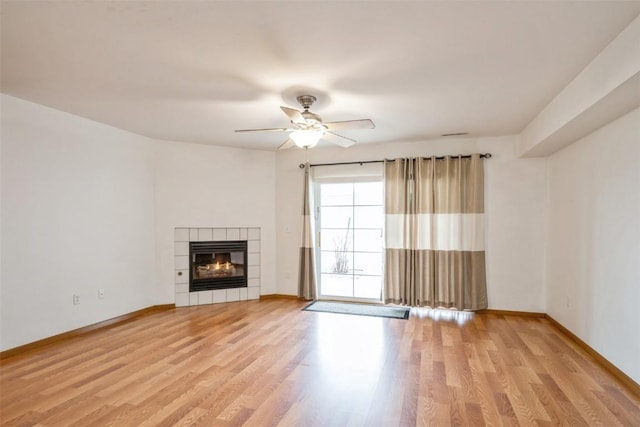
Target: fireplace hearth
(217,265)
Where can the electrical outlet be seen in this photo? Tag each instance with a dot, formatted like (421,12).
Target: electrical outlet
(76,299)
(101,293)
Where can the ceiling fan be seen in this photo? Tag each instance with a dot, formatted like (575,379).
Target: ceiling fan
(307,128)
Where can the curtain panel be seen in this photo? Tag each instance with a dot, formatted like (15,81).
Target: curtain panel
(434,223)
(307,288)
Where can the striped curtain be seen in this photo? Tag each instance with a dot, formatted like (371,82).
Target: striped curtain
(434,219)
(307,271)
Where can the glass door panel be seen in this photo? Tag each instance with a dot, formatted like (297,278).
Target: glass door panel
(350,240)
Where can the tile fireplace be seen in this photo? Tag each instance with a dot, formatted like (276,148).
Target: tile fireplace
(212,263)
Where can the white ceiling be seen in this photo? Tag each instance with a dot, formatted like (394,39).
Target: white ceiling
(195,71)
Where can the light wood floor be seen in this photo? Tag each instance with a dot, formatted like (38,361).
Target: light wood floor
(269,363)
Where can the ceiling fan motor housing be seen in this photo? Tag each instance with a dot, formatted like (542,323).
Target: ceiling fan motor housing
(306,101)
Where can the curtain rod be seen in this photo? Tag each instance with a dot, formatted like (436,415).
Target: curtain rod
(482,156)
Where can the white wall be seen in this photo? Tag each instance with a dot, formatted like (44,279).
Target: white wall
(67,184)
(593,262)
(208,186)
(515,210)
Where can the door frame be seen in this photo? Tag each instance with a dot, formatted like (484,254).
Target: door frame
(316,195)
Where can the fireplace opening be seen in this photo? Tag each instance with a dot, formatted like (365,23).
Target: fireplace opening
(217,265)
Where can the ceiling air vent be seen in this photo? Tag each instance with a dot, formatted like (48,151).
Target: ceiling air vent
(455,134)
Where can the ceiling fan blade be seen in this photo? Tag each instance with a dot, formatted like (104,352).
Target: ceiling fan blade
(340,140)
(294,115)
(264,130)
(350,124)
(287,144)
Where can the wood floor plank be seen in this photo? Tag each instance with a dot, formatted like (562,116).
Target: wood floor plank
(268,363)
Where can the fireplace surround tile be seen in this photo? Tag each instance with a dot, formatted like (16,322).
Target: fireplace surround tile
(182,276)
(182,300)
(219,295)
(205,234)
(205,297)
(184,235)
(253,271)
(181,248)
(253,258)
(254,234)
(233,295)
(253,293)
(253,246)
(233,234)
(182,262)
(181,235)
(219,234)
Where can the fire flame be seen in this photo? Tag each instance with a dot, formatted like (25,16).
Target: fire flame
(226,266)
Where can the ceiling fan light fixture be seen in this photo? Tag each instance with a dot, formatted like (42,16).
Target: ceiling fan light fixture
(306,138)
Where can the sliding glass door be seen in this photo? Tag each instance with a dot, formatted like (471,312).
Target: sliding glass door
(350,223)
